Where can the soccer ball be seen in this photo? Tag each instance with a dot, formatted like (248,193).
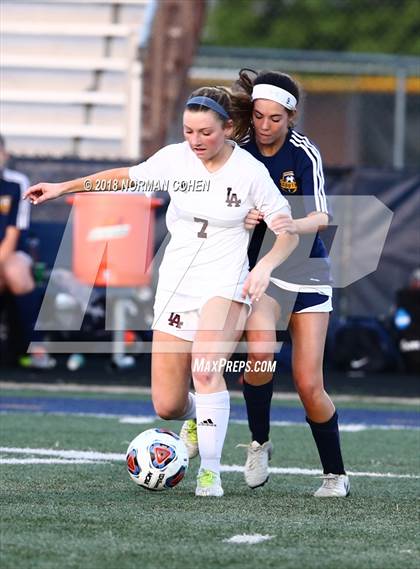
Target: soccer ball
(157,459)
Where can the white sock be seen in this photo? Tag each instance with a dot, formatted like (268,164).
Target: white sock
(212,421)
(190,410)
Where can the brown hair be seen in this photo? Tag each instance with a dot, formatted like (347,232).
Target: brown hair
(234,104)
(242,91)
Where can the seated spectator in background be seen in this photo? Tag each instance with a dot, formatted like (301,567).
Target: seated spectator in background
(16,266)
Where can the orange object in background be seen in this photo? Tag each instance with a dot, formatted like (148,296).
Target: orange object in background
(113,238)
(129,337)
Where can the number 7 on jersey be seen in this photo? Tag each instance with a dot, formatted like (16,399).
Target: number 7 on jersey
(202,233)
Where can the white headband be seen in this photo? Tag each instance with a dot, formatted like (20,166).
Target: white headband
(276,94)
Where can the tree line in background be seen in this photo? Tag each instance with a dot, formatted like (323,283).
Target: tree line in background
(379,26)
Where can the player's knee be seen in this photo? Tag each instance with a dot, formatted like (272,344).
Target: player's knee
(19,288)
(18,278)
(310,392)
(261,342)
(260,368)
(261,347)
(206,370)
(167,410)
(204,379)
(260,360)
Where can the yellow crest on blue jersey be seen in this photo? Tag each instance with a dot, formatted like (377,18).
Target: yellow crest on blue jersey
(288,182)
(5,204)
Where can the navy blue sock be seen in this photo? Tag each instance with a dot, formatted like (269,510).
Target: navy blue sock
(327,439)
(258,403)
(28,306)
(11,345)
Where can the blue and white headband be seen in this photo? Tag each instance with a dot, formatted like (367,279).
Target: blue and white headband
(276,94)
(210,104)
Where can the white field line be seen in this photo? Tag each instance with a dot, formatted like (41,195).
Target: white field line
(74,456)
(46,461)
(119,390)
(245,538)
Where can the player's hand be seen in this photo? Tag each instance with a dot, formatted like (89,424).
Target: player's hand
(257,281)
(283,224)
(253,218)
(43,192)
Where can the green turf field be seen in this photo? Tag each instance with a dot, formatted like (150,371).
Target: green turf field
(83,516)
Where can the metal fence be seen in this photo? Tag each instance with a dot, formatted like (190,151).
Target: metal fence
(361,109)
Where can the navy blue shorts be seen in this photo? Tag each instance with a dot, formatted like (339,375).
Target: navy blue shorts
(300,302)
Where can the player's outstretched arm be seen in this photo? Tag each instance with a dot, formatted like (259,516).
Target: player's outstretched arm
(101,181)
(312,223)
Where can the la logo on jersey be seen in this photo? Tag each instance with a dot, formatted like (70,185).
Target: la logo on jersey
(288,182)
(175,320)
(232,199)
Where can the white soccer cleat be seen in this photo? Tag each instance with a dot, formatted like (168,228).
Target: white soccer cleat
(188,436)
(256,466)
(334,486)
(208,484)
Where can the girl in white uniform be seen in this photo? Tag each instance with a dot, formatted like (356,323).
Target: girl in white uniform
(207,253)
(204,290)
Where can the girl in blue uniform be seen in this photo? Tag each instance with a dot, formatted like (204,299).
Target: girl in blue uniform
(301,287)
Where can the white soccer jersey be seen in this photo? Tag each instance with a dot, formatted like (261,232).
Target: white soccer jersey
(207,252)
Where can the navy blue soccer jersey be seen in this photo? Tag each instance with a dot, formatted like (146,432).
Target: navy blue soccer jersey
(13,211)
(297,171)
